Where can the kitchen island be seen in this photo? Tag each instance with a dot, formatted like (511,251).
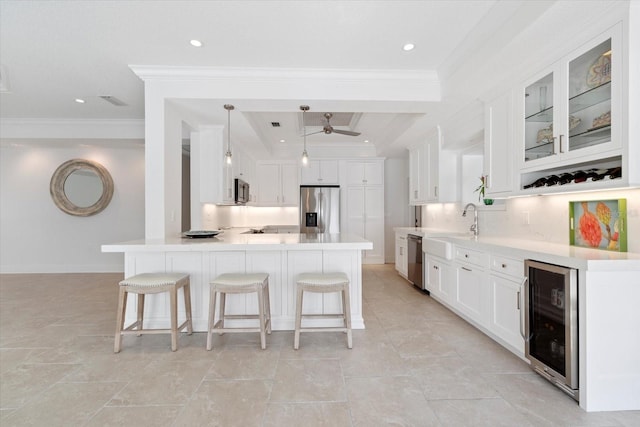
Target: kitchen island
(282,256)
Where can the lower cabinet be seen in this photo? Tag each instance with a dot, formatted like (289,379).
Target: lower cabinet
(401,254)
(506,281)
(506,313)
(440,278)
(472,296)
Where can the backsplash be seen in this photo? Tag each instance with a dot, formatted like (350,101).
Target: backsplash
(543,218)
(215,217)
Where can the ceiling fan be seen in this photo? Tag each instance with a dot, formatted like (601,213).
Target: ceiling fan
(327,128)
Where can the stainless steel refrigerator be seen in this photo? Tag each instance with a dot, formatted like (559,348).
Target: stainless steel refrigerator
(319,209)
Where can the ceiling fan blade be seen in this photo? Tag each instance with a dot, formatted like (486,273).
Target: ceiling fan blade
(313,133)
(346,132)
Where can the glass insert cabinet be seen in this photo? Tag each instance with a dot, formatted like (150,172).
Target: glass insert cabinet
(571,109)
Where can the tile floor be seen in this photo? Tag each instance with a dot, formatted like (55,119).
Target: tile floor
(416,364)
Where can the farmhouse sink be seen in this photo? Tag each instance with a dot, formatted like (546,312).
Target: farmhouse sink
(438,247)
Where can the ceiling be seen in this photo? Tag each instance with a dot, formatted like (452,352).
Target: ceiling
(53,52)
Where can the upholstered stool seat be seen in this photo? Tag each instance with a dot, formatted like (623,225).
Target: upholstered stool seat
(153,283)
(231,283)
(323,283)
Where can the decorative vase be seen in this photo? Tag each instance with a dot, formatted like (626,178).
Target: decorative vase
(488,202)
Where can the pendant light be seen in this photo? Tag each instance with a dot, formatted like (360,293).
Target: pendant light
(227,155)
(305,156)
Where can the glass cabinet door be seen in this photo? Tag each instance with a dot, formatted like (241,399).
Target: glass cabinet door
(538,111)
(589,91)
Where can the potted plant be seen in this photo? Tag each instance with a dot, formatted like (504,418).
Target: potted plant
(480,191)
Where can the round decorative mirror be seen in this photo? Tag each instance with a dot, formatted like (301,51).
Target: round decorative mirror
(81,187)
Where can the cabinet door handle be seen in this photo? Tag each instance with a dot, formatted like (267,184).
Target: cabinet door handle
(400,250)
(487,183)
(561,147)
(466,255)
(435,267)
(415,194)
(504,266)
(466,269)
(524,280)
(435,190)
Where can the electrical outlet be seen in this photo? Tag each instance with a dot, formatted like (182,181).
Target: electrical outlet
(525,218)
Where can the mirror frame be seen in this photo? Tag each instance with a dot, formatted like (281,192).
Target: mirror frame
(56,187)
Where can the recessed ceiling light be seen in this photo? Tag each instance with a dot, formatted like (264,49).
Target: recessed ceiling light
(366,140)
(282,140)
(195,43)
(79,101)
(408,46)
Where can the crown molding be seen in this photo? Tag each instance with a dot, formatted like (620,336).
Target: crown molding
(71,128)
(162,72)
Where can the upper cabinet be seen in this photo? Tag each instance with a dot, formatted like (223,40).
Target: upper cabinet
(277,184)
(432,172)
(568,110)
(571,120)
(319,172)
(365,172)
(498,143)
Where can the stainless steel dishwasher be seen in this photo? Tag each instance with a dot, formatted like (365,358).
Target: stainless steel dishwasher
(415,260)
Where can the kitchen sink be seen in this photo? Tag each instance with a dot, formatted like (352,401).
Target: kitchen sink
(438,247)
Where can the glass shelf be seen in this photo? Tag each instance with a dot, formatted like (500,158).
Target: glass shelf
(546,147)
(544,116)
(590,137)
(590,98)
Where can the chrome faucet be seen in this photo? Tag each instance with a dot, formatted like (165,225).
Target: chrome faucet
(474,226)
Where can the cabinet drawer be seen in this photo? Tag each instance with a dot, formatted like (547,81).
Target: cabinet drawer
(472,256)
(509,266)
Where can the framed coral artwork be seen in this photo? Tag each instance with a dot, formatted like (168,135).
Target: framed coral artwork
(599,224)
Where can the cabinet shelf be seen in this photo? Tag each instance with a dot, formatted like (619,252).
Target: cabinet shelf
(590,137)
(542,116)
(590,98)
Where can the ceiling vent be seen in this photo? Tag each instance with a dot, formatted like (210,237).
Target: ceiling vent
(275,124)
(113,100)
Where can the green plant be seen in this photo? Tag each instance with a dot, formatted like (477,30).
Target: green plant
(480,189)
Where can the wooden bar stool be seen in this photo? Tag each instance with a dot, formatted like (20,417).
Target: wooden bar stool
(240,284)
(153,283)
(323,283)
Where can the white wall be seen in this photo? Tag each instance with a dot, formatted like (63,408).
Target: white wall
(37,237)
(548,217)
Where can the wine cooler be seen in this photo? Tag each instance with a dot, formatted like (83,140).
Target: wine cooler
(551,323)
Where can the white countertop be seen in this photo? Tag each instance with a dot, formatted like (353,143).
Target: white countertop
(235,241)
(554,253)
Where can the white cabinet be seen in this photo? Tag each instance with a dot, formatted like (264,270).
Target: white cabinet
(417,168)
(440,278)
(498,143)
(209,167)
(402,266)
(570,119)
(277,184)
(365,172)
(365,206)
(472,289)
(319,172)
(506,279)
(432,172)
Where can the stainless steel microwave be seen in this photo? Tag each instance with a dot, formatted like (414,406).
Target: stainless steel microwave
(241,192)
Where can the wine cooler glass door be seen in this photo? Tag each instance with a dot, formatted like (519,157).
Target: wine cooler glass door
(551,320)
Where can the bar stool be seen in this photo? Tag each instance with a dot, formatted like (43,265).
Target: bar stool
(240,284)
(153,283)
(323,283)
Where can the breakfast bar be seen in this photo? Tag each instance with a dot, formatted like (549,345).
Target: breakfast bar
(282,256)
